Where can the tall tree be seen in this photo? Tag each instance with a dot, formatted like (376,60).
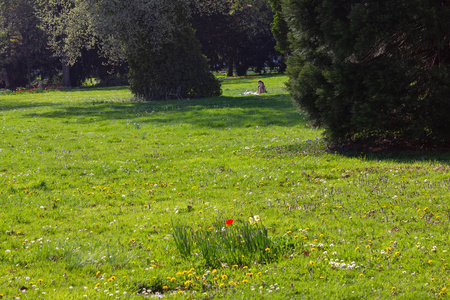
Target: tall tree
(372,69)
(21,42)
(235,33)
(154,37)
(158,42)
(69,30)
(280,31)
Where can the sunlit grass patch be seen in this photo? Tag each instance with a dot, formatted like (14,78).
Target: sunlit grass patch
(105,196)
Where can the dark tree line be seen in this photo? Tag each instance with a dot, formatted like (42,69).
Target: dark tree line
(69,41)
(22,44)
(236,34)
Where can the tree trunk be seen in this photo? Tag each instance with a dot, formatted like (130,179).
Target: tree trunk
(4,74)
(10,82)
(28,71)
(230,68)
(66,75)
(282,66)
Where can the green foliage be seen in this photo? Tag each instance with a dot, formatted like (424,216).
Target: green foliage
(239,243)
(235,33)
(155,72)
(22,43)
(280,28)
(373,70)
(68,27)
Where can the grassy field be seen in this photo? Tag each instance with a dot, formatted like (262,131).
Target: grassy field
(103,197)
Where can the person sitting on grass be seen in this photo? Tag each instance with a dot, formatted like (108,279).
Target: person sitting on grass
(260,89)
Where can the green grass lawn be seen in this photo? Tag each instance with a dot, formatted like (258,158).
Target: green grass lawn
(104,197)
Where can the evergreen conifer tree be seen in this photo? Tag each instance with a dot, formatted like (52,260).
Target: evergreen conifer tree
(372,70)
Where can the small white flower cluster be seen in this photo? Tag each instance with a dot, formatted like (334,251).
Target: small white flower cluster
(340,264)
(254,219)
(147,292)
(272,287)
(318,246)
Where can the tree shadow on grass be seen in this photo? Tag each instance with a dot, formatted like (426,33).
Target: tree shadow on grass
(218,112)
(439,155)
(318,147)
(310,147)
(9,106)
(26,101)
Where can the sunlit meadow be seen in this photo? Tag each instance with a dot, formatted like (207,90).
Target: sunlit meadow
(106,197)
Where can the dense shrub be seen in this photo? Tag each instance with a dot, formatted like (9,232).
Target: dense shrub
(372,70)
(158,71)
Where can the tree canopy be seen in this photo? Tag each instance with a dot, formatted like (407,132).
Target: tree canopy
(373,69)
(235,33)
(22,43)
(154,38)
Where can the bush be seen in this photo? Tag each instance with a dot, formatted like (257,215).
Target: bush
(157,72)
